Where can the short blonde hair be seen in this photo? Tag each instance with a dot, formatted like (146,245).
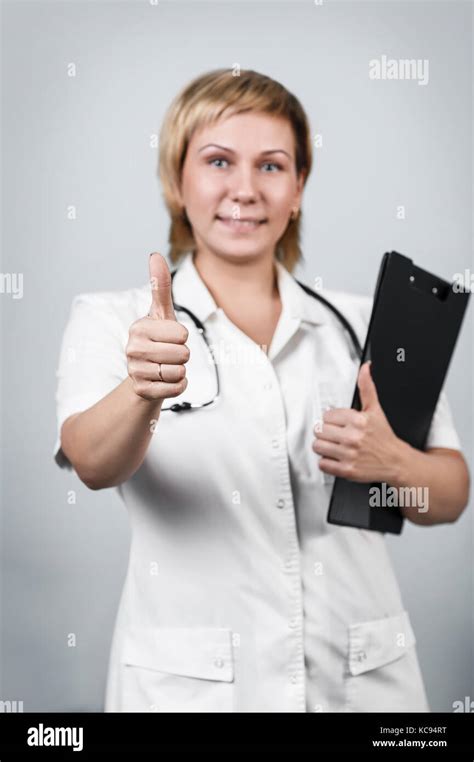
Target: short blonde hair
(215,94)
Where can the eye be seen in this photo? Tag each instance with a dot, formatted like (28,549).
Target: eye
(272,164)
(265,164)
(216,159)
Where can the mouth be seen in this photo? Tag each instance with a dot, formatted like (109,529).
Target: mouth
(242,225)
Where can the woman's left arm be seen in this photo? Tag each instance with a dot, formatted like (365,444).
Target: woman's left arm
(362,446)
(443,472)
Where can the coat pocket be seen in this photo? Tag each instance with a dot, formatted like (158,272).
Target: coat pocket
(383,672)
(177,669)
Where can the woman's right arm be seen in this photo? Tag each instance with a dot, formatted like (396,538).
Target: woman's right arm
(107,443)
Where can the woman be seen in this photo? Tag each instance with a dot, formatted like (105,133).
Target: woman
(239,596)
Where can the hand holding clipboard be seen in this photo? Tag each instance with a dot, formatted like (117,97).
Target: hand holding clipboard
(414,325)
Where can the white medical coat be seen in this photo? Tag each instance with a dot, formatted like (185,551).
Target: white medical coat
(239,596)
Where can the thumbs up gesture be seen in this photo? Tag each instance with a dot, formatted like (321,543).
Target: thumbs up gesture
(156,349)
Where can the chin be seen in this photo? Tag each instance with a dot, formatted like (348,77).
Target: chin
(240,247)
(240,253)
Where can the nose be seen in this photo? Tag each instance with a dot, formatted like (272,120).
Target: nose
(243,186)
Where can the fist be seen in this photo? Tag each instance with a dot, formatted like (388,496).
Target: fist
(156,349)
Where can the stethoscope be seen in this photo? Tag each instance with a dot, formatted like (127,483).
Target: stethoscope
(179,407)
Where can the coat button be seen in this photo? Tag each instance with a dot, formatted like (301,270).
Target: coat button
(219,662)
(280,503)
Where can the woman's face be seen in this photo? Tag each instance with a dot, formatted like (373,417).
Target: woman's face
(241,168)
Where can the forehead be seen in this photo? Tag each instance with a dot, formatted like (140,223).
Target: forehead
(249,132)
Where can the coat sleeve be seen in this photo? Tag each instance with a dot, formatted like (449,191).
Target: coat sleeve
(92,360)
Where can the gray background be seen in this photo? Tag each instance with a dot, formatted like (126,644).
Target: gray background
(86,141)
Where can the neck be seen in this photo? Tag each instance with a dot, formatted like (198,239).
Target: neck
(242,281)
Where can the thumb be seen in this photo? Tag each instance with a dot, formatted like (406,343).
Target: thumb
(160,282)
(367,389)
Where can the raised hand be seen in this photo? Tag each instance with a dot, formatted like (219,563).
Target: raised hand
(156,349)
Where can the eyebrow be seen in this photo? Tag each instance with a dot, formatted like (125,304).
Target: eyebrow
(224,148)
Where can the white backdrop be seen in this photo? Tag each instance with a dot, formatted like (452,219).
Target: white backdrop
(87,142)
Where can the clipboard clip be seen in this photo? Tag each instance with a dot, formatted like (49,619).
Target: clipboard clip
(428,284)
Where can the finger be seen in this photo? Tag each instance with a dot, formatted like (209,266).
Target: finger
(367,389)
(160,282)
(170,331)
(160,390)
(331,466)
(340,416)
(329,449)
(160,351)
(330,432)
(150,371)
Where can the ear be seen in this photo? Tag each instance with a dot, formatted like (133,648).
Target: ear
(300,181)
(178,199)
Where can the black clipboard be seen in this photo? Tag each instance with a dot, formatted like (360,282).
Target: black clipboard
(418,316)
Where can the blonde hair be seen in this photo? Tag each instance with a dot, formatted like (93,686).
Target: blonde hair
(204,101)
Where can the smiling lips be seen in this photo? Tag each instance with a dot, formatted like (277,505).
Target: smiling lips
(242,225)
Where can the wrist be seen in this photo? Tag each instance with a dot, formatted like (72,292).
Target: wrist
(402,463)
